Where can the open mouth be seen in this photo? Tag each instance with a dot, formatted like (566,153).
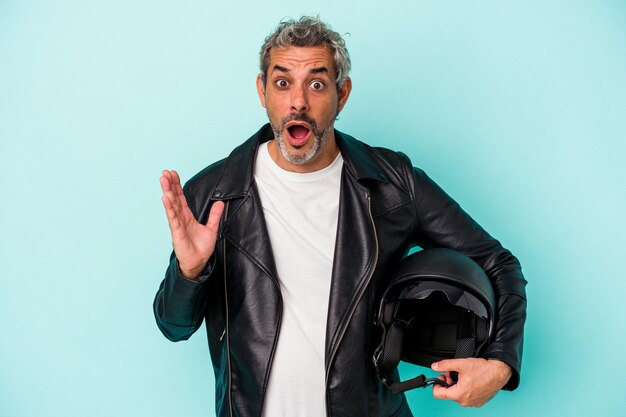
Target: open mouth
(298,135)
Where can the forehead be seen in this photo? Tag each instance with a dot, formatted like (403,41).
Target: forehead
(294,57)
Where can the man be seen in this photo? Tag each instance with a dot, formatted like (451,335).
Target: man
(282,248)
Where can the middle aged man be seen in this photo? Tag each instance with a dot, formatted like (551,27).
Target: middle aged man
(283,247)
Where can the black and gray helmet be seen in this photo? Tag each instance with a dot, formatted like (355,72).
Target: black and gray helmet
(439,304)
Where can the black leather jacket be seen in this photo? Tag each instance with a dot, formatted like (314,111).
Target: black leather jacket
(386,207)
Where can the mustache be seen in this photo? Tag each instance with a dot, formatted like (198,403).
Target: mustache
(300,117)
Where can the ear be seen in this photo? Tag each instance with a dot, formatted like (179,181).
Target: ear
(344,93)
(260,89)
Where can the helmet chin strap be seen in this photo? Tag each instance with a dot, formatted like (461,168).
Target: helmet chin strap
(388,354)
(465,341)
(417,382)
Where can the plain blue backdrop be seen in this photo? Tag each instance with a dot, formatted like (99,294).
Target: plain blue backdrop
(516,108)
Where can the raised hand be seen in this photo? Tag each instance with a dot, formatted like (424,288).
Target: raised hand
(193,242)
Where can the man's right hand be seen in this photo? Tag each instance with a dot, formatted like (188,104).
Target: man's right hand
(194,243)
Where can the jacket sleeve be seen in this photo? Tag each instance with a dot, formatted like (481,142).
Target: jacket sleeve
(440,222)
(180,303)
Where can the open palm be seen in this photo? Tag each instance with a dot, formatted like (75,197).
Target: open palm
(193,242)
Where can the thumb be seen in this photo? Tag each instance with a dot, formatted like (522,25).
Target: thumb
(214,217)
(447,365)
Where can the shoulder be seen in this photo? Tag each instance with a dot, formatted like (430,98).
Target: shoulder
(399,160)
(368,160)
(401,163)
(227,178)
(396,166)
(199,189)
(204,181)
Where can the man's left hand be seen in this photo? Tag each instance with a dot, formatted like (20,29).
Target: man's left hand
(479,380)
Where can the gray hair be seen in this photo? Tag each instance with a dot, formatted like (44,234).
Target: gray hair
(307,31)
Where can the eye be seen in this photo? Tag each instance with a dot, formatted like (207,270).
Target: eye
(281,83)
(317,85)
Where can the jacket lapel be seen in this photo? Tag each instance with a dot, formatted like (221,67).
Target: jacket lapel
(356,245)
(245,226)
(354,261)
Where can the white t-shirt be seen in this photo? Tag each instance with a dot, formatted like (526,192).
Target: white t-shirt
(301,213)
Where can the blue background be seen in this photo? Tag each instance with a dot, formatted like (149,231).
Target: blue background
(517,109)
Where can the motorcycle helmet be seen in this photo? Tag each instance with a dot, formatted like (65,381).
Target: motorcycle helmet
(439,304)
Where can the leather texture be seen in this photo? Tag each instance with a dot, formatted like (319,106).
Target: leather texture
(386,208)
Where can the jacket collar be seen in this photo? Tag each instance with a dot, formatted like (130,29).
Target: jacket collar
(238,173)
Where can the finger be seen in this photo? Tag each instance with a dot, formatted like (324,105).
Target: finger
(167,175)
(449,380)
(165,182)
(446,378)
(442,393)
(177,216)
(449,365)
(175,176)
(170,210)
(451,392)
(214,217)
(178,198)
(169,192)
(171,176)
(178,190)
(172,217)
(168,186)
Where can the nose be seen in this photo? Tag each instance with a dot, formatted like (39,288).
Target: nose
(299,100)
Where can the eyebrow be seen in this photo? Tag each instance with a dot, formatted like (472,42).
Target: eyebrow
(279,68)
(319,70)
(316,70)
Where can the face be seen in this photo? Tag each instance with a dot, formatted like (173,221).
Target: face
(302,102)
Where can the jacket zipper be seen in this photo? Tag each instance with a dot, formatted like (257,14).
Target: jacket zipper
(359,296)
(226,329)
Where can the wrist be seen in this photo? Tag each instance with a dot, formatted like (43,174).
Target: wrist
(191,273)
(503,370)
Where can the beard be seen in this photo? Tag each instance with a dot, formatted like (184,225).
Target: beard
(318,136)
